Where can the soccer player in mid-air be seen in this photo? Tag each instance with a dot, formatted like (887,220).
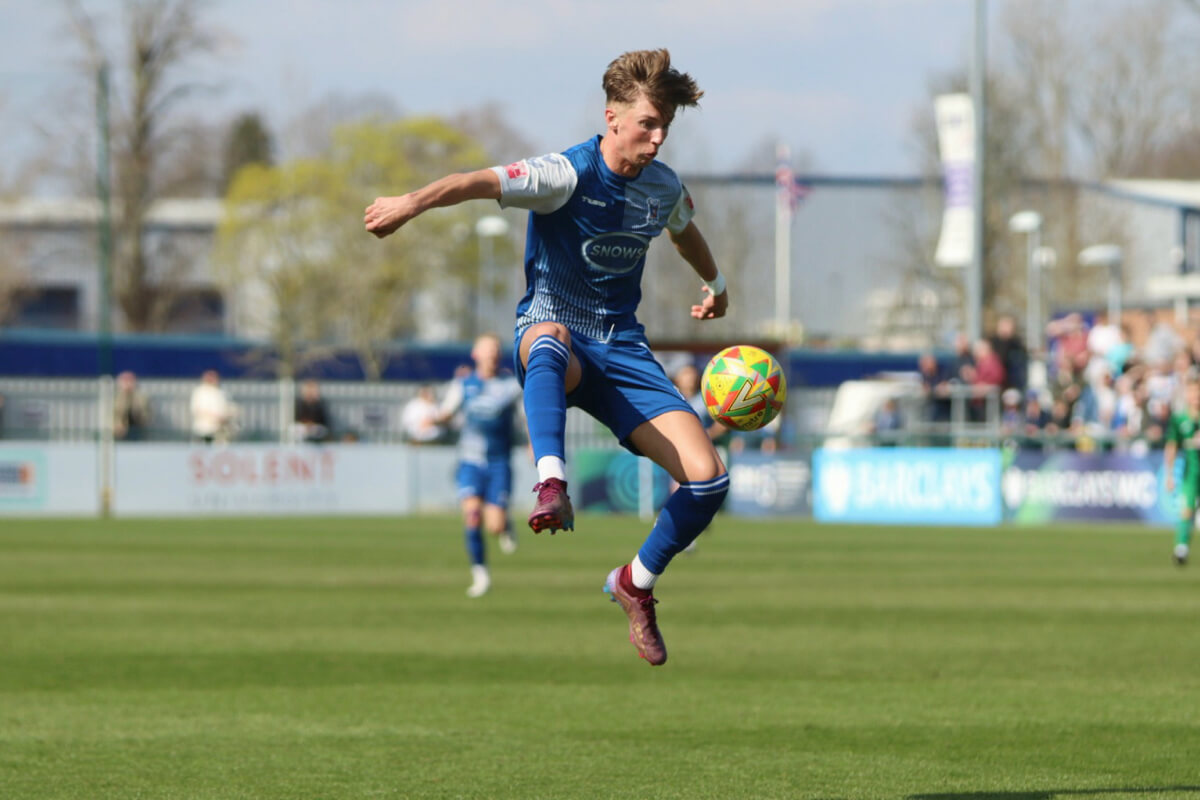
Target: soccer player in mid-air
(1183,432)
(594,210)
(488,403)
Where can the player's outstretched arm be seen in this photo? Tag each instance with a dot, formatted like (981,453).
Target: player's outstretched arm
(692,246)
(387,214)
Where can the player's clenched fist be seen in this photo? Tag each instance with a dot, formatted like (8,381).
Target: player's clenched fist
(387,214)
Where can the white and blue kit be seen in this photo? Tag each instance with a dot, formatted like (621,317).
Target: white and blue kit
(488,410)
(585,252)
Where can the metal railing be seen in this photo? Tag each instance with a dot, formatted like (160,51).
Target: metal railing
(79,410)
(75,410)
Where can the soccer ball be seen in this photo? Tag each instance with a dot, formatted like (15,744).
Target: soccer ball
(743,387)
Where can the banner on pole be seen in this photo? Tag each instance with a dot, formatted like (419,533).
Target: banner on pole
(956,144)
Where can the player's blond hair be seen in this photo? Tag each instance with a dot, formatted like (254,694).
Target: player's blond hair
(649,73)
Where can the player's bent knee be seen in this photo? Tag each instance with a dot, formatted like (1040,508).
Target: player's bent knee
(703,468)
(555,329)
(472,517)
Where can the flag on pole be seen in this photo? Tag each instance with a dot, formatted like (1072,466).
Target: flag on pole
(791,189)
(956,141)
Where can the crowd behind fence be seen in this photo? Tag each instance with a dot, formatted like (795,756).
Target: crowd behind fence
(1096,387)
(81,410)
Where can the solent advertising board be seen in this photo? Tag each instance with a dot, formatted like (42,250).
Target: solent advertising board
(907,486)
(175,479)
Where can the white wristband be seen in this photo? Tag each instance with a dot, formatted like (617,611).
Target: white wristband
(717,285)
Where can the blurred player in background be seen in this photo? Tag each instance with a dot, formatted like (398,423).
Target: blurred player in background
(487,402)
(1183,432)
(595,209)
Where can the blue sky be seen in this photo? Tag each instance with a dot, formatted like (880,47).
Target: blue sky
(839,80)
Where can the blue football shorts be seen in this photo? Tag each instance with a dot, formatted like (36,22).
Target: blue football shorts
(491,481)
(622,385)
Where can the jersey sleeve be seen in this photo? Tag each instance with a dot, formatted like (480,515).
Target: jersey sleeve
(542,184)
(453,399)
(683,211)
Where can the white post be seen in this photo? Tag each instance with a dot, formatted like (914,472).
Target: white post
(783,244)
(645,489)
(287,410)
(488,229)
(1109,256)
(1114,293)
(106,453)
(974,278)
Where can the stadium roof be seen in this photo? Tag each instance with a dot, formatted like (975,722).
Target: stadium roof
(1180,194)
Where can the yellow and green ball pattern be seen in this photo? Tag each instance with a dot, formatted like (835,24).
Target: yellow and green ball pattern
(743,387)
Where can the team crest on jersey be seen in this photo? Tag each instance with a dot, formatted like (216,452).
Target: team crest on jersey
(652,207)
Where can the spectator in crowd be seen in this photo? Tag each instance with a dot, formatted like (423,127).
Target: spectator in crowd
(213,414)
(1068,336)
(986,376)
(887,423)
(1121,353)
(935,388)
(1162,343)
(1036,417)
(1059,423)
(989,369)
(131,409)
(311,415)
(1012,353)
(1128,414)
(962,366)
(1012,415)
(419,420)
(1182,368)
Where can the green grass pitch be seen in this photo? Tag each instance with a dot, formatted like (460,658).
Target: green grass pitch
(319,658)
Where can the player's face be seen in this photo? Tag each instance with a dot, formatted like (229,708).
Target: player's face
(638,131)
(486,355)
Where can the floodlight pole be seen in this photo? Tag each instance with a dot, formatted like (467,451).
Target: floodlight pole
(783,250)
(1110,257)
(106,453)
(974,277)
(488,229)
(104,195)
(1030,224)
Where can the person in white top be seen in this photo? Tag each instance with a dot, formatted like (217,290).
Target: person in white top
(419,420)
(212,413)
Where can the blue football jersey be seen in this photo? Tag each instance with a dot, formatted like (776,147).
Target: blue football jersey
(488,408)
(589,230)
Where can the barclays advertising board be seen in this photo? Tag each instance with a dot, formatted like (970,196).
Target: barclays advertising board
(1041,487)
(908,486)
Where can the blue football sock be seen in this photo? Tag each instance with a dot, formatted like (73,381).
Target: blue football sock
(474,541)
(684,517)
(546,397)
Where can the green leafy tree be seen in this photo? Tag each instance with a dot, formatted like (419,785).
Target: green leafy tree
(248,142)
(292,240)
